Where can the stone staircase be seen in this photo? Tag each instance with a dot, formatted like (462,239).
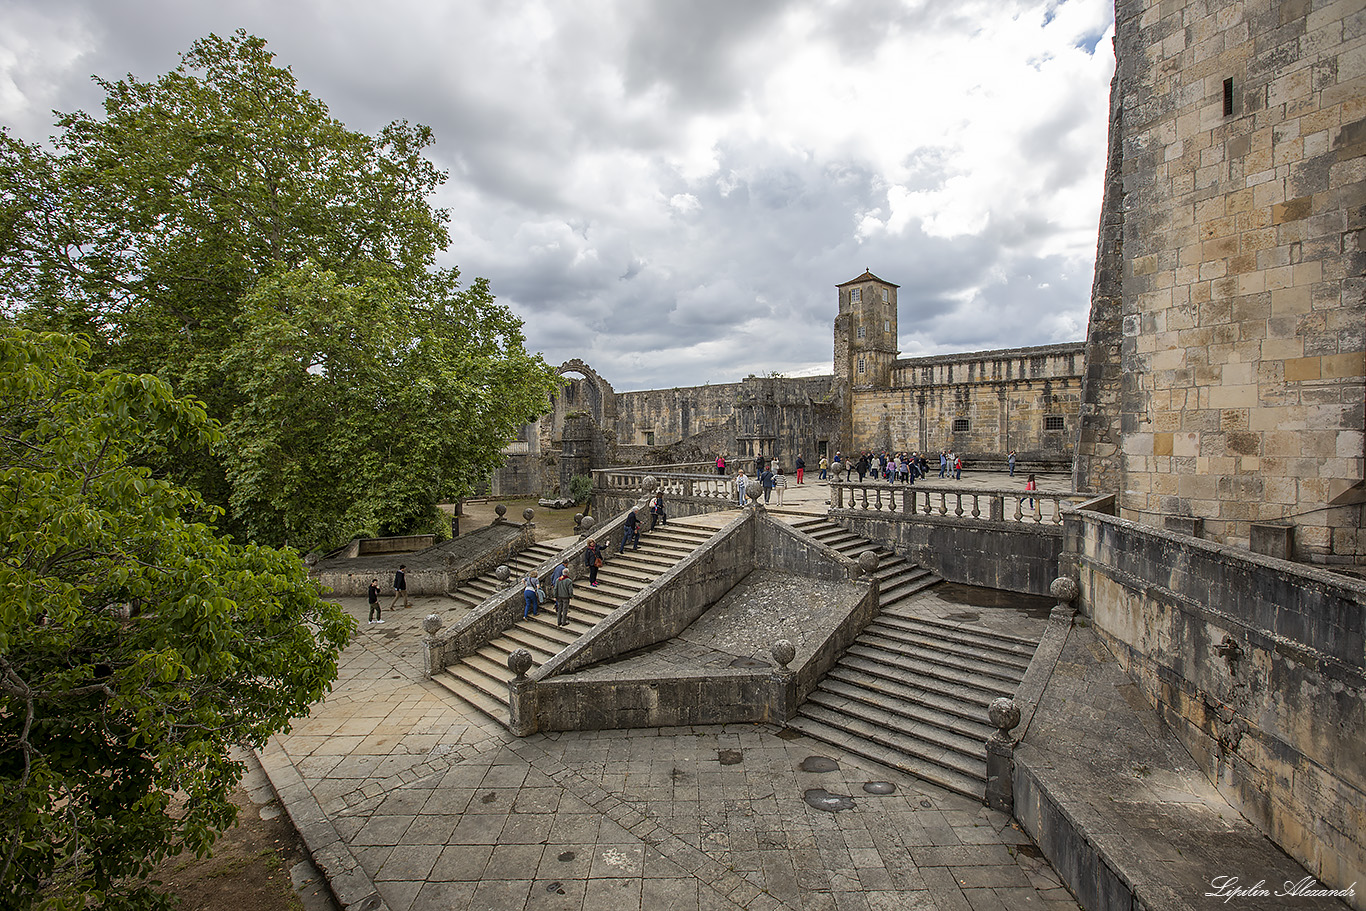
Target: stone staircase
(912,691)
(480,680)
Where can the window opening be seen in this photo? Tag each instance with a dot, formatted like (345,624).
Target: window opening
(856,295)
(1054,422)
(1228,97)
(960,425)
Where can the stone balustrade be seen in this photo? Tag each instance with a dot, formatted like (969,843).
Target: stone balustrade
(675,485)
(997,505)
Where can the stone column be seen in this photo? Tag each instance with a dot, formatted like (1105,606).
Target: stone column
(434,650)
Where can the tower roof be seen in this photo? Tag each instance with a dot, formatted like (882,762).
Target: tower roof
(866,277)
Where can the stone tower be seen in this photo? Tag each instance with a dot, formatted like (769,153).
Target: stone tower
(865,341)
(1224,377)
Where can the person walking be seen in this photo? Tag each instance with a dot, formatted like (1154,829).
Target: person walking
(560,570)
(592,558)
(564,590)
(766,481)
(825,468)
(531,597)
(400,586)
(780,484)
(372,595)
(630,532)
(958,468)
(1031,486)
(721,464)
(741,482)
(1011,462)
(801,468)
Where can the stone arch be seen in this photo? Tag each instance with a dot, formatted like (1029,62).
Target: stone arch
(590,395)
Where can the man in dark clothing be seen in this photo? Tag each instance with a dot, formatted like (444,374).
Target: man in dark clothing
(766,480)
(400,587)
(564,590)
(801,468)
(372,595)
(630,532)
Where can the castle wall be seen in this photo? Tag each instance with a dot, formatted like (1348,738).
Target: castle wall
(1006,397)
(1238,396)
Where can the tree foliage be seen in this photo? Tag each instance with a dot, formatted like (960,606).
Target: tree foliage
(217,227)
(136,643)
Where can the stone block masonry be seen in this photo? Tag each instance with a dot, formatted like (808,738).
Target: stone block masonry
(1231,266)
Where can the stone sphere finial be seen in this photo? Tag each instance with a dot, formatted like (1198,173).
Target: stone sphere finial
(650,484)
(431,623)
(578,519)
(754,493)
(528,514)
(501,511)
(868,561)
(519,662)
(1004,714)
(586,525)
(1064,589)
(783,651)
(502,573)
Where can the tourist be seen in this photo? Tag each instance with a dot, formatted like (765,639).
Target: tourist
(958,468)
(564,590)
(372,595)
(825,465)
(592,558)
(1030,485)
(943,463)
(1011,462)
(531,597)
(837,466)
(780,485)
(801,468)
(766,481)
(560,570)
(864,463)
(630,532)
(721,464)
(400,586)
(740,483)
(657,516)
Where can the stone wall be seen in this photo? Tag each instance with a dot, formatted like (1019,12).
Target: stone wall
(1243,319)
(1258,665)
(1009,556)
(1005,397)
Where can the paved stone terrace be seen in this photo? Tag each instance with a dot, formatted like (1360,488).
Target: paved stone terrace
(408,803)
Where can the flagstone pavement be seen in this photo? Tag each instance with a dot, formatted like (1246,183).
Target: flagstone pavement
(407,802)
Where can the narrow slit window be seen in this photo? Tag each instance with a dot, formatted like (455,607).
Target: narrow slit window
(1228,97)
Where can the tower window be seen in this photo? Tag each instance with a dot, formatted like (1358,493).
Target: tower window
(649,438)
(886,325)
(1054,422)
(886,296)
(862,332)
(856,295)
(961,425)
(861,367)
(1228,97)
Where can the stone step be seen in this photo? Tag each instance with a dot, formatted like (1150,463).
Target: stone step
(955,652)
(907,587)
(970,715)
(939,766)
(489,664)
(472,696)
(859,704)
(1011,654)
(970,701)
(909,667)
(961,733)
(981,664)
(976,634)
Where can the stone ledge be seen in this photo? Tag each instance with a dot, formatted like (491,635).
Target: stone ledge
(351,886)
(1121,810)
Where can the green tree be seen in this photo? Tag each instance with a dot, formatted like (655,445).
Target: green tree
(218,228)
(136,643)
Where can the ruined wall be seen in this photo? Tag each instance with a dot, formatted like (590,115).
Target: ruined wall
(1258,666)
(1241,396)
(1006,397)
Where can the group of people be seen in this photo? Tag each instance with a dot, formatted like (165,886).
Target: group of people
(770,478)
(400,591)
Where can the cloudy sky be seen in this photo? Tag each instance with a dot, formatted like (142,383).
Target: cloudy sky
(671,189)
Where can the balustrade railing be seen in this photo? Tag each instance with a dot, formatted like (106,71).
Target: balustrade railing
(694,486)
(999,505)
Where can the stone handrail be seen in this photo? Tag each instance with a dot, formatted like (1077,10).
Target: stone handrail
(692,486)
(1036,507)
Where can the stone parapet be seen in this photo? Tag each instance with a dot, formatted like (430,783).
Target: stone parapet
(1257,664)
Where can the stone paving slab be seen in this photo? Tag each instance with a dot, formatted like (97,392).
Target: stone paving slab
(408,803)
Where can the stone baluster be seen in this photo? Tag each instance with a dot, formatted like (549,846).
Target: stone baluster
(976,508)
(1019,509)
(877,497)
(863,490)
(943,503)
(958,509)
